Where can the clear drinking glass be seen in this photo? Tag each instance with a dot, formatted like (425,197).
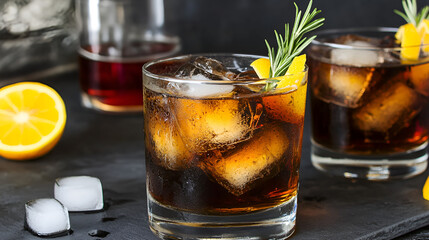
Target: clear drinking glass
(370,113)
(116,38)
(222,156)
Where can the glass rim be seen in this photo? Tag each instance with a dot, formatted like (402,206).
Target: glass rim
(326,32)
(163,39)
(258,81)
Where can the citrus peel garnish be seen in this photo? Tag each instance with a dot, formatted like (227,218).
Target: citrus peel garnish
(426,190)
(410,41)
(294,74)
(261,67)
(287,107)
(32,120)
(423,30)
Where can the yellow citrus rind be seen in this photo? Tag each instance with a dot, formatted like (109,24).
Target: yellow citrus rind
(423,30)
(426,190)
(262,67)
(413,38)
(294,74)
(33,118)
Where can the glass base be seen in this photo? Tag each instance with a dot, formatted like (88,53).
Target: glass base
(396,166)
(274,223)
(93,103)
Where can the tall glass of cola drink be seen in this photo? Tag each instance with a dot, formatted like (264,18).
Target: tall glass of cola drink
(370,113)
(222,154)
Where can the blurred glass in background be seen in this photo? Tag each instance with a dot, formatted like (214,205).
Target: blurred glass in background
(116,37)
(37,37)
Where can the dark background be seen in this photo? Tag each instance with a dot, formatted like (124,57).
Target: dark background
(109,147)
(240,26)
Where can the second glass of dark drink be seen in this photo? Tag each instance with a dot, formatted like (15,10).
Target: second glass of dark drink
(370,113)
(222,154)
(117,37)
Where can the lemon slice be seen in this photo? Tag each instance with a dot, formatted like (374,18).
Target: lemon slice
(426,190)
(423,30)
(410,41)
(32,120)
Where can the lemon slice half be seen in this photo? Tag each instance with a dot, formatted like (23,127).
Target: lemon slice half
(32,120)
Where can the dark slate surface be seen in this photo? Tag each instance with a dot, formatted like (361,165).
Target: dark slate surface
(110,147)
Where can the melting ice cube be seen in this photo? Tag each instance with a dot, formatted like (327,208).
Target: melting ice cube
(162,136)
(390,110)
(358,56)
(202,68)
(343,85)
(209,124)
(79,193)
(254,160)
(163,139)
(46,217)
(199,90)
(207,67)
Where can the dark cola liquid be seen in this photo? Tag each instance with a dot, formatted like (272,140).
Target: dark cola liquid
(114,76)
(389,116)
(195,178)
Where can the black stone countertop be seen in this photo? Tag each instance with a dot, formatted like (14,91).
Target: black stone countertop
(111,148)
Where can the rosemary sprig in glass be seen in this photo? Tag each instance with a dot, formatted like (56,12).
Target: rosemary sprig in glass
(411,15)
(292,44)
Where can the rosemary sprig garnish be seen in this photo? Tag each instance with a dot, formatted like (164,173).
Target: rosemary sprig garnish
(292,44)
(411,15)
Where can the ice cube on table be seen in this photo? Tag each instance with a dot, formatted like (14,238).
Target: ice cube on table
(357,57)
(213,123)
(46,217)
(79,193)
(163,138)
(252,161)
(390,110)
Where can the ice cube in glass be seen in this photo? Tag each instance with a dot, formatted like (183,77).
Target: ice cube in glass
(392,106)
(253,161)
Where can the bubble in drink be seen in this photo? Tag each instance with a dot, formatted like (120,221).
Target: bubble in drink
(79,193)
(253,161)
(46,217)
(390,110)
